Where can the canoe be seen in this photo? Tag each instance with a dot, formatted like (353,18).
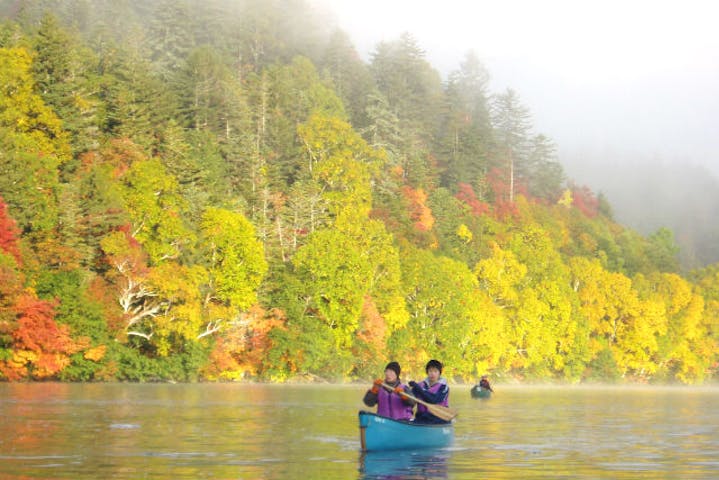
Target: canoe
(382,433)
(480,392)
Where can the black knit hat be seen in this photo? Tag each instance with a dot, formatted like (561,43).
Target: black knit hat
(393,366)
(434,364)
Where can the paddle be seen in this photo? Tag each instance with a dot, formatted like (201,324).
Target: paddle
(445,413)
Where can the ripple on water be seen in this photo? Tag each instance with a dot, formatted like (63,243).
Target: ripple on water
(343,443)
(631,466)
(38,457)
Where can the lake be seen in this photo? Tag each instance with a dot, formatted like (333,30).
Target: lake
(247,431)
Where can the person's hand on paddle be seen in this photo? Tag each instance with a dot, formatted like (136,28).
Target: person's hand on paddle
(400,391)
(375,386)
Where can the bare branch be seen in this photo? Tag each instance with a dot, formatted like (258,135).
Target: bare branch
(137,300)
(212,327)
(141,334)
(144,312)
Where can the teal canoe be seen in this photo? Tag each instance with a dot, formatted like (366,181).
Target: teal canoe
(382,433)
(481,392)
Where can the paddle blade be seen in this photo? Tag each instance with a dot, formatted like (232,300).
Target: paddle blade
(445,413)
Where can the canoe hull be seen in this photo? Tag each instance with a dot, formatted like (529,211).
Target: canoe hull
(480,392)
(381,433)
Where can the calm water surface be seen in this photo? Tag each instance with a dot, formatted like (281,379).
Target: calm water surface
(99,431)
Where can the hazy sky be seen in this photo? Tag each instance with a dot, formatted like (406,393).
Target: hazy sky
(608,77)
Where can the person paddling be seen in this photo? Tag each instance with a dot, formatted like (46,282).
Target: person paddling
(484,383)
(433,389)
(392,403)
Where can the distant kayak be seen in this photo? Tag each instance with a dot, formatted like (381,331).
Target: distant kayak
(480,392)
(382,433)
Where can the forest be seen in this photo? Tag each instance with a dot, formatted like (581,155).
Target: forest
(226,191)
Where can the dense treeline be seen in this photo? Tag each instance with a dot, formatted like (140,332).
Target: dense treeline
(227,191)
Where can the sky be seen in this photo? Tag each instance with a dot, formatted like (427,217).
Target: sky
(631,79)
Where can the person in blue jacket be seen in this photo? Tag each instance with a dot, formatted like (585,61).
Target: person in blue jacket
(433,389)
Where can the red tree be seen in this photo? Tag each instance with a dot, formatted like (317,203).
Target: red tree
(41,348)
(503,207)
(585,201)
(466,195)
(9,233)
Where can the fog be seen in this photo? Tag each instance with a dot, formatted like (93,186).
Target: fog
(610,78)
(629,91)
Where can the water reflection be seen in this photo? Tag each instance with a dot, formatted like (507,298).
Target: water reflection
(275,432)
(404,464)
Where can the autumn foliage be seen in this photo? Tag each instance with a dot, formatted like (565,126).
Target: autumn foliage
(9,233)
(174,214)
(419,212)
(41,347)
(240,351)
(500,187)
(585,201)
(465,193)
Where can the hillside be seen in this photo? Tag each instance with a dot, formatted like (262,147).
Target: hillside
(228,192)
(648,195)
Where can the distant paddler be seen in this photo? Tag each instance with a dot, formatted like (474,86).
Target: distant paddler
(483,389)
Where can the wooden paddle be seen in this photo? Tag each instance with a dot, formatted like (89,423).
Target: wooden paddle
(445,413)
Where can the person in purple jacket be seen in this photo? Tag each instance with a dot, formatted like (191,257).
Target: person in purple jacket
(390,403)
(432,389)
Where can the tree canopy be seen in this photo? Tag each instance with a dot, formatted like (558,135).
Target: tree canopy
(226,191)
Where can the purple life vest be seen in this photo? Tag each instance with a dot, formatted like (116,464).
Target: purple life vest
(391,405)
(442,383)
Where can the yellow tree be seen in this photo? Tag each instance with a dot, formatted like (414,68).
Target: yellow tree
(33,148)
(181,321)
(707,283)
(333,272)
(682,348)
(618,319)
(235,258)
(498,276)
(384,307)
(350,269)
(155,206)
(235,266)
(554,341)
(446,319)
(528,281)
(341,162)
(489,339)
